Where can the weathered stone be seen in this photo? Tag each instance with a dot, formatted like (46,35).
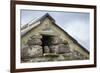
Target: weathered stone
(36,37)
(63,48)
(35,51)
(54,48)
(60,58)
(55,40)
(65,42)
(77,55)
(60,48)
(46,49)
(34,42)
(24,52)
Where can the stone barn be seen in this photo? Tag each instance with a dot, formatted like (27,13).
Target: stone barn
(43,40)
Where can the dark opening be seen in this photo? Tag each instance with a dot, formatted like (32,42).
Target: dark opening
(45,41)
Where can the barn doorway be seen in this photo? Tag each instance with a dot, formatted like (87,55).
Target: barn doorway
(46,41)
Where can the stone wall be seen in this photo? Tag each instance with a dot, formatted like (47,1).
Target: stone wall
(58,46)
(35,49)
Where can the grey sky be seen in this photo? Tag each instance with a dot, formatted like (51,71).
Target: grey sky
(76,24)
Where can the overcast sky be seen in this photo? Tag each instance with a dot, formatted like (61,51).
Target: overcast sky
(76,24)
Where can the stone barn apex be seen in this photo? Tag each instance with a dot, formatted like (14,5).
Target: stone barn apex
(43,40)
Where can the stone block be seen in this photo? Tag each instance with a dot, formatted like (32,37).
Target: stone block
(46,49)
(36,37)
(35,51)
(54,48)
(55,40)
(24,52)
(64,48)
(34,42)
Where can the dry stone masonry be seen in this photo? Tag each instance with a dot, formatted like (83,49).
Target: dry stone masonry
(48,48)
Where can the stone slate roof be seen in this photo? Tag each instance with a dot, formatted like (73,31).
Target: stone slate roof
(36,22)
